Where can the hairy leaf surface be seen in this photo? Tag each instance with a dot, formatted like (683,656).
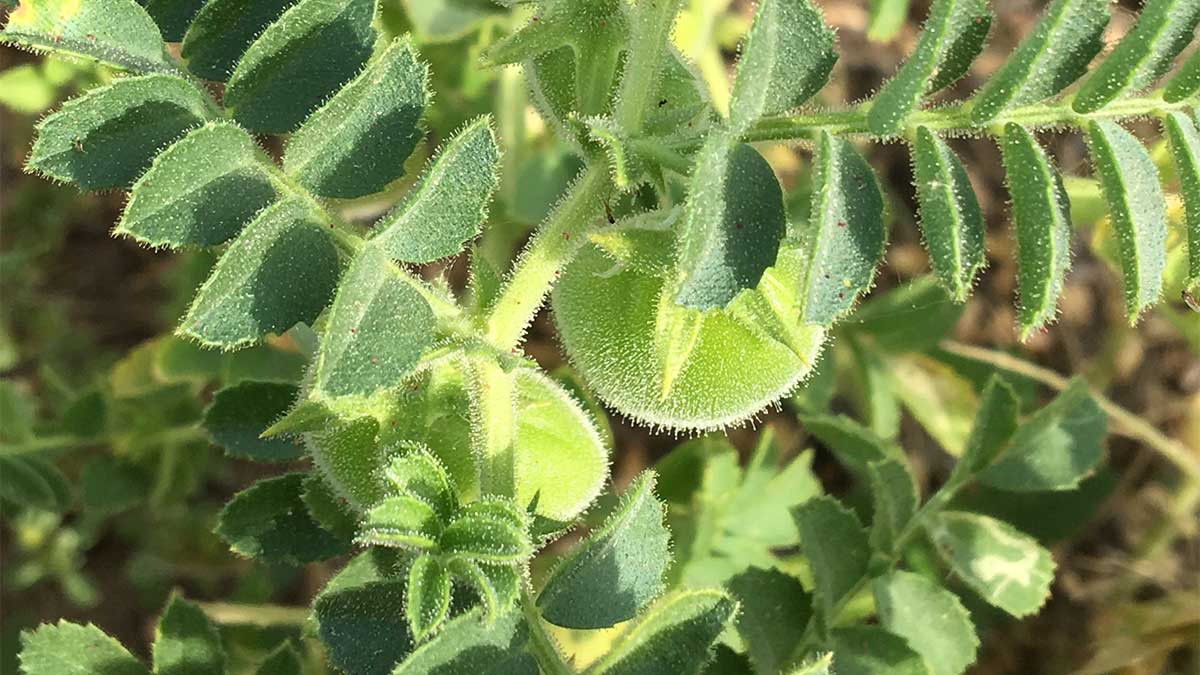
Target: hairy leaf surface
(1186,82)
(186,642)
(118,32)
(1185,149)
(427,601)
(950,215)
(54,649)
(930,618)
(269,521)
(675,636)
(471,644)
(836,547)
(358,616)
(894,489)
(239,414)
(223,30)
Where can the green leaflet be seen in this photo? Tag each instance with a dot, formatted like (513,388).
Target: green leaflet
(614,573)
(356,144)
(995,423)
(1054,55)
(221,32)
(186,642)
(788,55)
(418,473)
(912,317)
(280,271)
(732,225)
(868,650)
(1185,149)
(894,489)
(485,540)
(54,649)
(1006,567)
(845,240)
(118,32)
(1055,448)
(110,486)
(887,18)
(938,48)
(1186,82)
(448,20)
(379,326)
(675,636)
(109,136)
(1162,30)
(962,53)
(200,191)
(449,205)
(327,509)
(469,644)
(836,547)
(951,219)
(269,521)
(358,616)
(34,481)
(1042,216)
(498,586)
(427,600)
(1138,210)
(854,445)
(401,521)
(930,618)
(173,16)
(773,605)
(302,58)
(239,414)
(283,661)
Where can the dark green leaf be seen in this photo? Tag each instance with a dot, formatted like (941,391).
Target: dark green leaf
(32,481)
(950,215)
(109,485)
(270,521)
(330,510)
(222,31)
(1186,82)
(618,570)
(240,414)
(497,586)
(995,424)
(870,650)
(280,271)
(427,599)
(773,606)
(854,445)
(299,61)
(449,205)
(109,136)
(1185,149)
(356,144)
(836,547)
(359,617)
(173,16)
(56,649)
(186,642)
(118,32)
(282,661)
(895,492)
(930,618)
(469,644)
(913,317)
(675,636)
(200,191)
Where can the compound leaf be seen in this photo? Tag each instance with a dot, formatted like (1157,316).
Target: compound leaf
(200,191)
(470,644)
(675,636)
(895,493)
(846,237)
(270,521)
(449,205)
(239,415)
(1138,210)
(1162,30)
(54,649)
(118,32)
(221,32)
(1185,149)
(379,326)
(186,642)
(930,618)
(401,521)
(836,547)
(298,61)
(356,144)
(1005,566)
(618,570)
(854,445)
(280,271)
(1042,215)
(1055,448)
(427,599)
(788,55)
(1186,82)
(950,215)
(109,136)
(1055,54)
(948,22)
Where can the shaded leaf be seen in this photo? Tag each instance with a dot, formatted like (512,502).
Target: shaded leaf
(173,16)
(836,547)
(870,650)
(54,649)
(894,490)
(1186,82)
(675,636)
(282,661)
(498,586)
(1185,150)
(270,521)
(186,642)
(221,32)
(359,619)
(238,416)
(773,605)
(469,644)
(418,473)
(427,598)
(930,618)
(401,521)
(995,424)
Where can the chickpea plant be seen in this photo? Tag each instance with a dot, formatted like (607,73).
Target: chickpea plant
(443,459)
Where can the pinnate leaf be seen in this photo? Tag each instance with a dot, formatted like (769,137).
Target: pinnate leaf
(1055,54)
(200,191)
(615,572)
(427,599)
(836,547)
(1162,30)
(930,618)
(1042,216)
(239,415)
(1003,565)
(449,205)
(1185,150)
(950,215)
(54,649)
(109,136)
(221,32)
(356,144)
(675,636)
(1138,210)
(379,326)
(186,642)
(118,32)
(468,644)
(297,62)
(787,58)
(995,423)
(401,521)
(270,521)
(280,271)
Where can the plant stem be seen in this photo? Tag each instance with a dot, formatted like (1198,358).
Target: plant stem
(65,442)
(1128,424)
(951,119)
(541,645)
(651,32)
(555,243)
(263,616)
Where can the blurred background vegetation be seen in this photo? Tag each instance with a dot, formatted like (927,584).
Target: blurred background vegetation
(110,488)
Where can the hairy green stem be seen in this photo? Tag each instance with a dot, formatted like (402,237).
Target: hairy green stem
(541,645)
(644,62)
(552,247)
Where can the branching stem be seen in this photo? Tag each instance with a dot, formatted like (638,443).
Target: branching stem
(541,645)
